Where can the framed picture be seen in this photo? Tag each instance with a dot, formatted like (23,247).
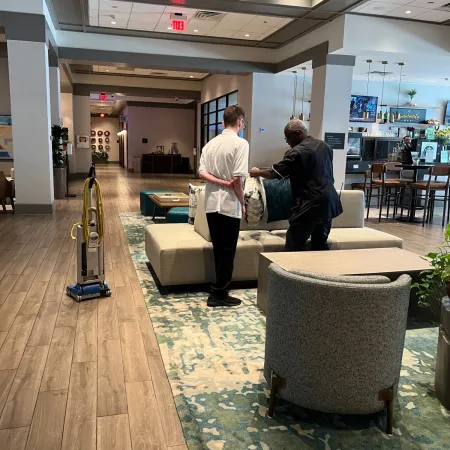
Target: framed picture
(107,148)
(93,147)
(93,133)
(107,133)
(107,140)
(100,147)
(100,140)
(83,141)
(99,133)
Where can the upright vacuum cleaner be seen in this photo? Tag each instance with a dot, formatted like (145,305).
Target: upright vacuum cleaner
(89,236)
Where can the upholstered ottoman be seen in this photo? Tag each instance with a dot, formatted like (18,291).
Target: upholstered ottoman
(178,215)
(147,205)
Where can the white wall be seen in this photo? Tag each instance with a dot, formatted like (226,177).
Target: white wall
(111,125)
(161,126)
(5,101)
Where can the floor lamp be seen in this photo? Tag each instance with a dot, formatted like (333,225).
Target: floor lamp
(68,153)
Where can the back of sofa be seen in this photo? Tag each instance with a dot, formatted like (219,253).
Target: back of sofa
(352,217)
(353,206)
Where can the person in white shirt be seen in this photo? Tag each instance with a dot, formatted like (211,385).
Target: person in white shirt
(224,166)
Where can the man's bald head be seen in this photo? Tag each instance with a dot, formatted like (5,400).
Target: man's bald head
(295,131)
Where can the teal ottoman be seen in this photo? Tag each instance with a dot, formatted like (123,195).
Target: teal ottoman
(147,205)
(178,215)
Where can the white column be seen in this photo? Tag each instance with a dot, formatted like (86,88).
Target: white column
(82,126)
(30,108)
(67,121)
(55,95)
(330,106)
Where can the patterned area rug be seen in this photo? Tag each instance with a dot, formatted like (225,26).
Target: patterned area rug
(214,360)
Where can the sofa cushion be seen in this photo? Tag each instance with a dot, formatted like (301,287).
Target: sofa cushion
(179,255)
(194,195)
(353,206)
(255,201)
(355,238)
(279,199)
(201,224)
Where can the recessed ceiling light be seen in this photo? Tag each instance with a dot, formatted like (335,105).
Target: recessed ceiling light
(113,23)
(195,31)
(169,28)
(247,35)
(433,81)
(107,70)
(408,12)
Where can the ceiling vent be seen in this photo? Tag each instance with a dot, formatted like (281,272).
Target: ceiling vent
(159,74)
(211,16)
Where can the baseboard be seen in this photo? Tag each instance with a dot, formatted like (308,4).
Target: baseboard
(25,208)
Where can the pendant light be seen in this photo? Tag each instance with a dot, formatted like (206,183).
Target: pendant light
(380,112)
(302,115)
(294,97)
(397,113)
(366,113)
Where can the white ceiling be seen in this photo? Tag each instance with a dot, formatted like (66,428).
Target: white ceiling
(148,72)
(139,16)
(426,10)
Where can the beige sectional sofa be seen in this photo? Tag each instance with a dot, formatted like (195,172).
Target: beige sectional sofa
(182,253)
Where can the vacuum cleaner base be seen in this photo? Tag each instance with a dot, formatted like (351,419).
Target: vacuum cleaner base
(80,293)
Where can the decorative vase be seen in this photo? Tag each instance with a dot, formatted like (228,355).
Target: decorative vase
(59,182)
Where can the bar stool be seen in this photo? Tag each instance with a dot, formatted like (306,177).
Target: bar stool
(430,187)
(365,187)
(379,180)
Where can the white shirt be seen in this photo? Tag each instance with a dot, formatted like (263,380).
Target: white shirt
(225,157)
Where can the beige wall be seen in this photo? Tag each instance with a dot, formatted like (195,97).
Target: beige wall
(111,125)
(161,126)
(5,102)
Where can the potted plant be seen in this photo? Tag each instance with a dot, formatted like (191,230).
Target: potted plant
(412,93)
(443,136)
(100,157)
(433,291)
(59,137)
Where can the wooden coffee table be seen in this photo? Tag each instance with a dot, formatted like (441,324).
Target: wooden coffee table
(177,200)
(391,262)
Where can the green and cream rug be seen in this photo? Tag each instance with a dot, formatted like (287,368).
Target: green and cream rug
(214,360)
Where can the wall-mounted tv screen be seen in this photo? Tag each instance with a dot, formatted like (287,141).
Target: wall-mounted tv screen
(447,114)
(360,104)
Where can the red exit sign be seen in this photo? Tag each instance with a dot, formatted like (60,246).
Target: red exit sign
(178,22)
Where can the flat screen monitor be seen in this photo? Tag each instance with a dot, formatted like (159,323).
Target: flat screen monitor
(447,114)
(360,104)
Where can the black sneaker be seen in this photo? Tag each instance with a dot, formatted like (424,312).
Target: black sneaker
(227,301)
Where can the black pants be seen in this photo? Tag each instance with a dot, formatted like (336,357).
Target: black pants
(297,236)
(224,232)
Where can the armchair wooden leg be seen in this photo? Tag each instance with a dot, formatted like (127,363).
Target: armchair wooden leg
(369,199)
(3,204)
(276,384)
(12,203)
(387,395)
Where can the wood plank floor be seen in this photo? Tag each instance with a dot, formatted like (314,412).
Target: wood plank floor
(90,376)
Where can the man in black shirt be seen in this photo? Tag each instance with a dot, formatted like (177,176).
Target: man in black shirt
(309,165)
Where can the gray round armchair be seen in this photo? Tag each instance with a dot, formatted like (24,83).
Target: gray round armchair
(334,344)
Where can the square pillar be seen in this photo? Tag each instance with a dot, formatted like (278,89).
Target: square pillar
(82,126)
(30,108)
(330,104)
(55,96)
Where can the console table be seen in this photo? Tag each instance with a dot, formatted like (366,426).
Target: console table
(159,163)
